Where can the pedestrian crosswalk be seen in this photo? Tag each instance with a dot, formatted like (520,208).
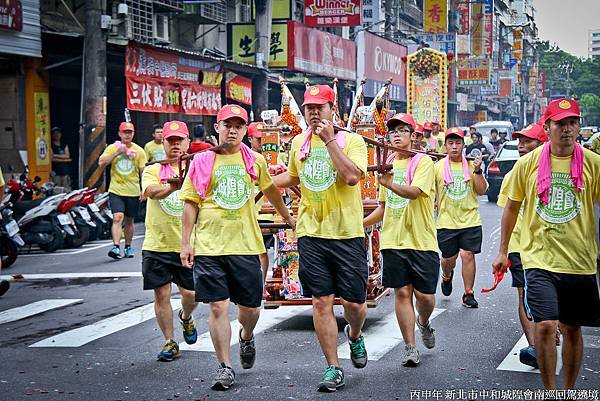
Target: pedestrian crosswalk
(382,334)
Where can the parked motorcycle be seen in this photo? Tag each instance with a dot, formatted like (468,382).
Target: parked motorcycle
(10,239)
(102,203)
(72,205)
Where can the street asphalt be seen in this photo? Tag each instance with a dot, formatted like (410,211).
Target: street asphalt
(113,354)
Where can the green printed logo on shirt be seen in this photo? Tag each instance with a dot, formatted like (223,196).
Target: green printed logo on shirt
(124,165)
(158,154)
(231,190)
(393,200)
(172,205)
(459,189)
(317,173)
(563,204)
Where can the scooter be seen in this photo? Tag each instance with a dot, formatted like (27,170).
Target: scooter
(71,205)
(40,222)
(10,239)
(102,203)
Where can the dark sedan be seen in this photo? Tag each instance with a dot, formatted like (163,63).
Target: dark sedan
(500,165)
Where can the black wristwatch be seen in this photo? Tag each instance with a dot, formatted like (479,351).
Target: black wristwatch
(479,172)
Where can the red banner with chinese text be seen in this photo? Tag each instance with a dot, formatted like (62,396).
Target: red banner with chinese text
(332,13)
(463,7)
(238,88)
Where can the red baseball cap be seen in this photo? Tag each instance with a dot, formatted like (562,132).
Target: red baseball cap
(254,129)
(318,94)
(175,128)
(533,131)
(403,118)
(454,131)
(561,108)
(230,111)
(427,126)
(435,122)
(419,129)
(126,126)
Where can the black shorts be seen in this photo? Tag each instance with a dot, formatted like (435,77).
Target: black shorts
(402,267)
(268,239)
(516,270)
(238,278)
(333,266)
(128,205)
(451,241)
(160,268)
(571,299)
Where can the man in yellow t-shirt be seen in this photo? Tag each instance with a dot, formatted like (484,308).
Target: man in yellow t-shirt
(127,161)
(529,138)
(154,149)
(408,243)
(559,184)
(161,263)
(331,243)
(219,205)
(458,183)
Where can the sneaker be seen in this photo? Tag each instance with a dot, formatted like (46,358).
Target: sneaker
(190,334)
(411,356)
(115,252)
(333,378)
(224,378)
(129,252)
(358,352)
(4,286)
(447,285)
(169,352)
(427,334)
(469,300)
(247,352)
(527,357)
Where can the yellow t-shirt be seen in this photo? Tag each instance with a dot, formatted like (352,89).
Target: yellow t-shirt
(125,171)
(227,223)
(163,216)
(409,223)
(154,151)
(457,204)
(515,240)
(561,236)
(329,208)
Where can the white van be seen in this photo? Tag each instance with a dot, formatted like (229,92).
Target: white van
(485,128)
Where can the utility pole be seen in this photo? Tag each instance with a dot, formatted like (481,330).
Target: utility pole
(260,93)
(94,98)
(389,18)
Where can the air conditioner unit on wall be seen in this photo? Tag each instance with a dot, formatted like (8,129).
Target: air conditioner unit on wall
(161,28)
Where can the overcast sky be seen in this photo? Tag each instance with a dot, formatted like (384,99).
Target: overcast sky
(567,22)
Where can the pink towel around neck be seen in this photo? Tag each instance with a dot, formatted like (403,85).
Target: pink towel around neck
(412,167)
(340,138)
(165,172)
(448,178)
(130,152)
(544,178)
(202,165)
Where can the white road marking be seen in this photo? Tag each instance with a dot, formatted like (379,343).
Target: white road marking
(268,318)
(22,312)
(381,337)
(511,361)
(87,247)
(75,275)
(105,327)
(495,232)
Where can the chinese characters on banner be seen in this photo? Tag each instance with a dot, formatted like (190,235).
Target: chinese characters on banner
(238,88)
(463,7)
(242,44)
(427,97)
(321,53)
(477,29)
(42,128)
(517,49)
(332,13)
(488,27)
(435,16)
(166,82)
(505,87)
(473,71)
(441,42)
